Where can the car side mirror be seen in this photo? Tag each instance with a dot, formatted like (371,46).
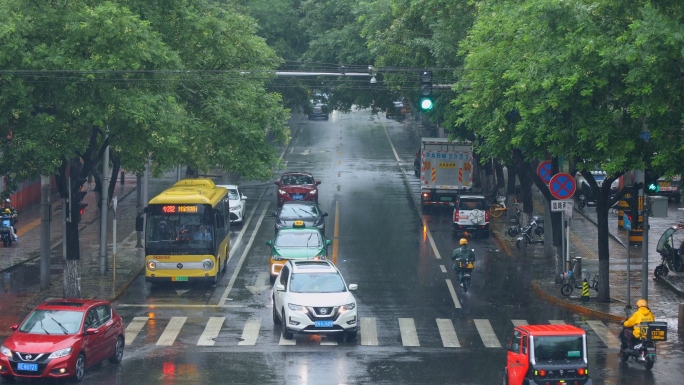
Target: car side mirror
(14,327)
(279,287)
(274,214)
(91,331)
(244,197)
(270,243)
(353,286)
(328,242)
(514,348)
(277,183)
(324,215)
(318,182)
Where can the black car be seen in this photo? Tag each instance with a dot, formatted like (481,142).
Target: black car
(319,111)
(307,211)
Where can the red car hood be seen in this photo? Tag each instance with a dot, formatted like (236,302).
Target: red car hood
(298,189)
(40,343)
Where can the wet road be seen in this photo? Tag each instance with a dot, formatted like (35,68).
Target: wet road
(417,327)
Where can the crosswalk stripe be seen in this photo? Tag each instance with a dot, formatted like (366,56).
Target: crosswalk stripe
(369,332)
(604,334)
(250,332)
(284,342)
(409,336)
(211,331)
(328,343)
(171,331)
(448,333)
(519,322)
(487,333)
(134,328)
(556,322)
(457,303)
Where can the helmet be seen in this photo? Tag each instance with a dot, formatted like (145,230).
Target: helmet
(642,303)
(8,200)
(463,241)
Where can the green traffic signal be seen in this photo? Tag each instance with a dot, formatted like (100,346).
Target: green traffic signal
(426,104)
(653,187)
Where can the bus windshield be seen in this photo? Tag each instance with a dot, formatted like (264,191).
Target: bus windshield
(181,230)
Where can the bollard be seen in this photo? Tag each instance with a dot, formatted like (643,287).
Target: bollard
(585,290)
(680,326)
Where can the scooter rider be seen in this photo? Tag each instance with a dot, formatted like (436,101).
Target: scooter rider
(462,253)
(7,205)
(631,331)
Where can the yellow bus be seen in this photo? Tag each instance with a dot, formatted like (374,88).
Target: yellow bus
(187,232)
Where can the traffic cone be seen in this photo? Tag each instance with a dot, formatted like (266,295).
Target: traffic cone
(585,290)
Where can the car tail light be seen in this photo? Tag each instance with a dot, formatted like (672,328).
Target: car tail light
(486,216)
(455,215)
(581,371)
(541,372)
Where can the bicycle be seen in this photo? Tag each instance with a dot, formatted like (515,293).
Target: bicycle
(570,283)
(496,209)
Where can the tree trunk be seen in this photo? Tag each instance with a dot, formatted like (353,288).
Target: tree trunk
(72,279)
(602,208)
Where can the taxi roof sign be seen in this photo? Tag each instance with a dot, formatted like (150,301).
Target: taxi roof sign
(298,224)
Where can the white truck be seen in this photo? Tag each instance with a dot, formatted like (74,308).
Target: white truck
(446,171)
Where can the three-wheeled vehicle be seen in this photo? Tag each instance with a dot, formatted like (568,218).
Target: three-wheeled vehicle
(547,354)
(672,258)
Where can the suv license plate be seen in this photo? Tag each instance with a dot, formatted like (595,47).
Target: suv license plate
(323,324)
(445,199)
(179,279)
(27,367)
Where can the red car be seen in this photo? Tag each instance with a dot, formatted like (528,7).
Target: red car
(297,186)
(61,338)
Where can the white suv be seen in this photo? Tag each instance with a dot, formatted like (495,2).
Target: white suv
(471,215)
(310,296)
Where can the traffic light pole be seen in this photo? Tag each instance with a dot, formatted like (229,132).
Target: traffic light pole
(103,212)
(644,249)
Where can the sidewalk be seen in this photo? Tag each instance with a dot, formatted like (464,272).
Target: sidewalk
(664,295)
(20,263)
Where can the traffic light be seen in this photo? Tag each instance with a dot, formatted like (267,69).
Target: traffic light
(426,102)
(651,184)
(76,207)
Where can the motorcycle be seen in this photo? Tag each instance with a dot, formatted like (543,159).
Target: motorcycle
(5,230)
(466,266)
(527,234)
(671,258)
(645,351)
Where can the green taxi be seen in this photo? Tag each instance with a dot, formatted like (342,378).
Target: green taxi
(296,242)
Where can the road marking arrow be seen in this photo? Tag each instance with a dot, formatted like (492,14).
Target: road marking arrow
(258,287)
(181,292)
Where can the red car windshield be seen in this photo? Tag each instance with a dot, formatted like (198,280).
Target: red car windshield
(52,322)
(297,180)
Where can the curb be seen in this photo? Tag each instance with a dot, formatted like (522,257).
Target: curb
(576,308)
(670,285)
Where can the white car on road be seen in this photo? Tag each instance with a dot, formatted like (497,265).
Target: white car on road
(237,203)
(311,297)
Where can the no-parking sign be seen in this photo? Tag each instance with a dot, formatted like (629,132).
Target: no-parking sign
(562,186)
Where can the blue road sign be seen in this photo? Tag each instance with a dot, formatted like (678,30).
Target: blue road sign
(562,186)
(544,171)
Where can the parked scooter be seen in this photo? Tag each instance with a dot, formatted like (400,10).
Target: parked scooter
(671,258)
(645,351)
(5,230)
(527,234)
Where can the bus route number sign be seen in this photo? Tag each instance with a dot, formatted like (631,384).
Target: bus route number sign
(172,209)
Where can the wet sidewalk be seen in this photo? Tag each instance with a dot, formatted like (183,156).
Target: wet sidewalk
(20,263)
(664,295)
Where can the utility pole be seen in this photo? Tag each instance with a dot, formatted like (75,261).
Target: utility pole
(104,208)
(138,205)
(45,218)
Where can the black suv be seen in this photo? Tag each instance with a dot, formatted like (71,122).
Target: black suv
(319,110)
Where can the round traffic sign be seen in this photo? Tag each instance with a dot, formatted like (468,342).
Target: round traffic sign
(544,171)
(562,186)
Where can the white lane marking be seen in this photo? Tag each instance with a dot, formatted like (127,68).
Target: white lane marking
(519,322)
(448,333)
(211,331)
(432,243)
(251,332)
(283,341)
(454,297)
(171,331)
(442,268)
(556,322)
(487,333)
(409,336)
(369,332)
(233,245)
(134,328)
(224,297)
(604,334)
(328,343)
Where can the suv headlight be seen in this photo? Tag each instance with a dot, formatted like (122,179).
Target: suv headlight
(5,350)
(60,353)
(294,307)
(347,307)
